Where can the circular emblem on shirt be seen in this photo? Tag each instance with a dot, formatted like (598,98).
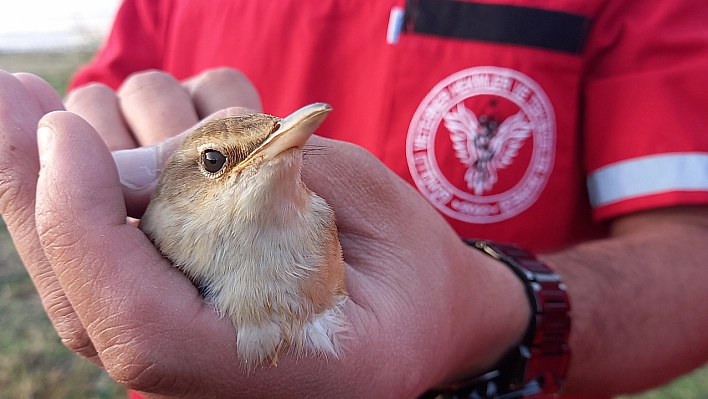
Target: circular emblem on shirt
(481,144)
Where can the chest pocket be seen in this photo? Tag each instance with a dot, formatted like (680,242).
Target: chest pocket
(498,23)
(488,98)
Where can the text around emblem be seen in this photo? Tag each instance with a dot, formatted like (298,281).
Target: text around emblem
(495,129)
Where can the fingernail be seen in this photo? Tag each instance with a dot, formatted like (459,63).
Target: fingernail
(137,168)
(45,135)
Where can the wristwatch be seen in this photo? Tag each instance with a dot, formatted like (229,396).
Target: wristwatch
(539,364)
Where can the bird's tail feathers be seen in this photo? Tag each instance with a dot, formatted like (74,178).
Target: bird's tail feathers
(327,333)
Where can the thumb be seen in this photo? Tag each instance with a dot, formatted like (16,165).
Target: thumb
(139,169)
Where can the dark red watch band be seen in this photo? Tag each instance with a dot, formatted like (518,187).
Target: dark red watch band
(544,352)
(549,330)
(538,366)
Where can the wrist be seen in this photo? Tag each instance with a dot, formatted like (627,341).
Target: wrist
(538,365)
(493,318)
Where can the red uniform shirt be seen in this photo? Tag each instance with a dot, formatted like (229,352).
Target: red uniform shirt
(522,121)
(503,134)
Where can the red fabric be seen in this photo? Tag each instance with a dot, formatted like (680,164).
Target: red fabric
(644,91)
(134,395)
(637,89)
(629,91)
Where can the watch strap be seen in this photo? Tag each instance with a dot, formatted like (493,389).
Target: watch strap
(539,364)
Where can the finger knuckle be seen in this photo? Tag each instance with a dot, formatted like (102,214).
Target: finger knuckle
(224,77)
(58,241)
(18,158)
(141,369)
(9,189)
(77,341)
(143,80)
(70,330)
(89,92)
(93,88)
(17,178)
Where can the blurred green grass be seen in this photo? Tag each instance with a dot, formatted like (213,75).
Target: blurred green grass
(54,67)
(33,362)
(691,386)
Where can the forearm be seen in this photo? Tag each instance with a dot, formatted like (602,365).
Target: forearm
(639,305)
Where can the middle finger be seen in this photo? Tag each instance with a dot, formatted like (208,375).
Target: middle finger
(99,106)
(156,107)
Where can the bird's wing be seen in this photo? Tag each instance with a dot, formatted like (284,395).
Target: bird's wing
(510,137)
(463,126)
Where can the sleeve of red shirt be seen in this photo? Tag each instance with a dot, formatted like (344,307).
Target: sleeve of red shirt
(646,121)
(134,44)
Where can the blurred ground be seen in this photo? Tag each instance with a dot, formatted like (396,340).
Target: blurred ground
(33,362)
(54,67)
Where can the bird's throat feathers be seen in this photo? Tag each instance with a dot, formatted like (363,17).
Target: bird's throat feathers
(270,192)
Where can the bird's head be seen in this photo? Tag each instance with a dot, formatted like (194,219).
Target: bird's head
(232,173)
(245,166)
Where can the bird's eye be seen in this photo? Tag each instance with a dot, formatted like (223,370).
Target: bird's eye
(213,160)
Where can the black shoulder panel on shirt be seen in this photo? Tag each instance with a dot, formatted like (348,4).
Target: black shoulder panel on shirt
(498,23)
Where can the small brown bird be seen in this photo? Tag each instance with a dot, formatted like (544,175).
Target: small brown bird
(231,211)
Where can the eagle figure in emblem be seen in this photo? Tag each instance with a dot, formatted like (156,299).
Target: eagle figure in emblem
(483,145)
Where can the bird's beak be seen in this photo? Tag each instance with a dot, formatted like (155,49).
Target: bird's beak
(292,132)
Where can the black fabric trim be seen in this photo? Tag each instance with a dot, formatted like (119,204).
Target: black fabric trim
(498,23)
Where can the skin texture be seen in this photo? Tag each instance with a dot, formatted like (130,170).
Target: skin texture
(425,309)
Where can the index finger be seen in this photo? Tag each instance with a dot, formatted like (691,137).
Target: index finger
(98,105)
(221,88)
(24,99)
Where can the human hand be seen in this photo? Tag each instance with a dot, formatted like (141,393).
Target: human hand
(424,308)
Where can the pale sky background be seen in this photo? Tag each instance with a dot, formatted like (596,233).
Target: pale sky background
(27,25)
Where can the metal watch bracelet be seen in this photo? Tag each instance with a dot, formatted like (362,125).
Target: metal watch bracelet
(539,364)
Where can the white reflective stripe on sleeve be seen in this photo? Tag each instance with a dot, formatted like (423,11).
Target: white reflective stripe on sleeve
(648,175)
